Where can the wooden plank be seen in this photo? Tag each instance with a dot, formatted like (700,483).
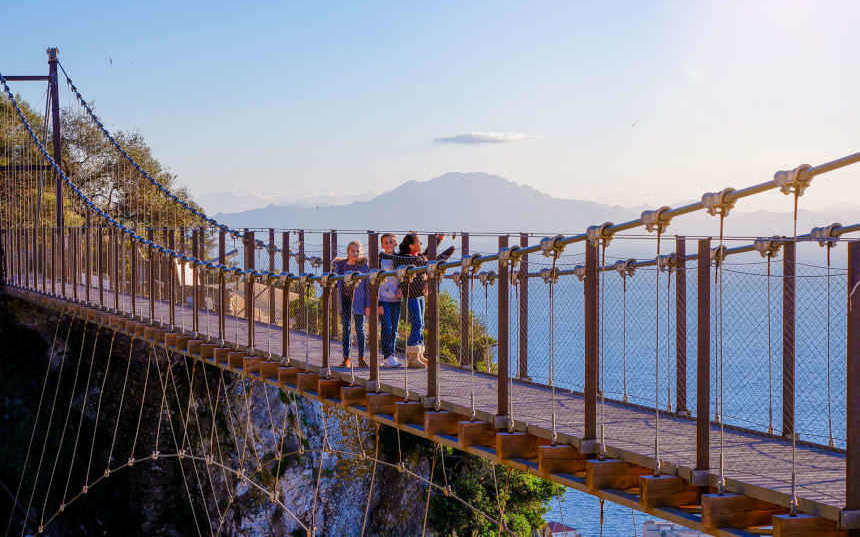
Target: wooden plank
(560,459)
(472,433)
(236,359)
(612,474)
(592,337)
(517,445)
(353,395)
(207,350)
(441,422)
(736,511)
(381,403)
(219,355)
(409,412)
(251,365)
(329,388)
(287,375)
(269,370)
(307,382)
(180,342)
(802,525)
(665,490)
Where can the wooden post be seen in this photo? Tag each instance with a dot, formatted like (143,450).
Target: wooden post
(592,339)
(100,264)
(170,274)
(133,258)
(271,270)
(373,322)
(503,334)
(852,446)
(115,258)
(335,304)
(324,304)
(523,322)
(681,325)
(285,296)
(152,277)
(195,282)
(372,249)
(464,303)
(88,268)
(788,326)
(222,284)
(302,311)
(432,316)
(703,357)
(74,250)
(250,249)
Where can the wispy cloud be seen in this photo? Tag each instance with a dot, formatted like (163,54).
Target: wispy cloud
(484,138)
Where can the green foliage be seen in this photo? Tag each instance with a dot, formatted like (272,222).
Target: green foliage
(522,496)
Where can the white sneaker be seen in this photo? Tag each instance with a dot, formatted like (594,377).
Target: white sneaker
(391,361)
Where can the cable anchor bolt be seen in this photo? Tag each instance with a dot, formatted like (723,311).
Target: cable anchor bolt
(826,235)
(794,181)
(655,220)
(552,246)
(625,267)
(595,234)
(718,203)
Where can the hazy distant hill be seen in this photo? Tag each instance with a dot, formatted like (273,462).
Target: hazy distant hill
(451,202)
(483,202)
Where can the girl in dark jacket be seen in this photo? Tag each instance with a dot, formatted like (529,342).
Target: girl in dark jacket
(414,291)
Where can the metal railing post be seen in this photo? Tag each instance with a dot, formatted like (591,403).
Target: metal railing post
(592,339)
(373,321)
(432,315)
(703,357)
(335,304)
(88,261)
(464,303)
(788,333)
(324,309)
(301,262)
(100,265)
(250,249)
(271,271)
(149,235)
(285,297)
(681,325)
(170,274)
(222,284)
(74,250)
(503,334)
(195,282)
(523,322)
(134,264)
(852,445)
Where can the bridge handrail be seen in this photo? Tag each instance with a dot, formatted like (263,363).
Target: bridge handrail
(802,174)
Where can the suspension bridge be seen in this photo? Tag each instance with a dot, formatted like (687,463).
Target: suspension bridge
(607,404)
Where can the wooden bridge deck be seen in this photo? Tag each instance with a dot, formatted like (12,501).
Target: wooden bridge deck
(756,465)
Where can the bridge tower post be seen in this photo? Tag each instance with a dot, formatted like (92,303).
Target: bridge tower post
(53,89)
(788,337)
(523,322)
(592,339)
(681,325)
(852,448)
(703,363)
(503,335)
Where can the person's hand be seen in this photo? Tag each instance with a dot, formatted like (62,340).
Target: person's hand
(399,294)
(367,311)
(381,310)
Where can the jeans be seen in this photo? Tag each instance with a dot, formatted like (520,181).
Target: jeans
(390,320)
(416,321)
(346,317)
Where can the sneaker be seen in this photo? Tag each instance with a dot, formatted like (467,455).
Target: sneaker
(391,361)
(362,363)
(346,363)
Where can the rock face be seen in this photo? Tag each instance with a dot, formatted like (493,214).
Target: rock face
(115,398)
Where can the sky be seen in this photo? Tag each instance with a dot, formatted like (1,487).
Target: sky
(631,103)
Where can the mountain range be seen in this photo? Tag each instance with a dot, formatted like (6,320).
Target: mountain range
(480,202)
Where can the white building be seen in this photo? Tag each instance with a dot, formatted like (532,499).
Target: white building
(652,528)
